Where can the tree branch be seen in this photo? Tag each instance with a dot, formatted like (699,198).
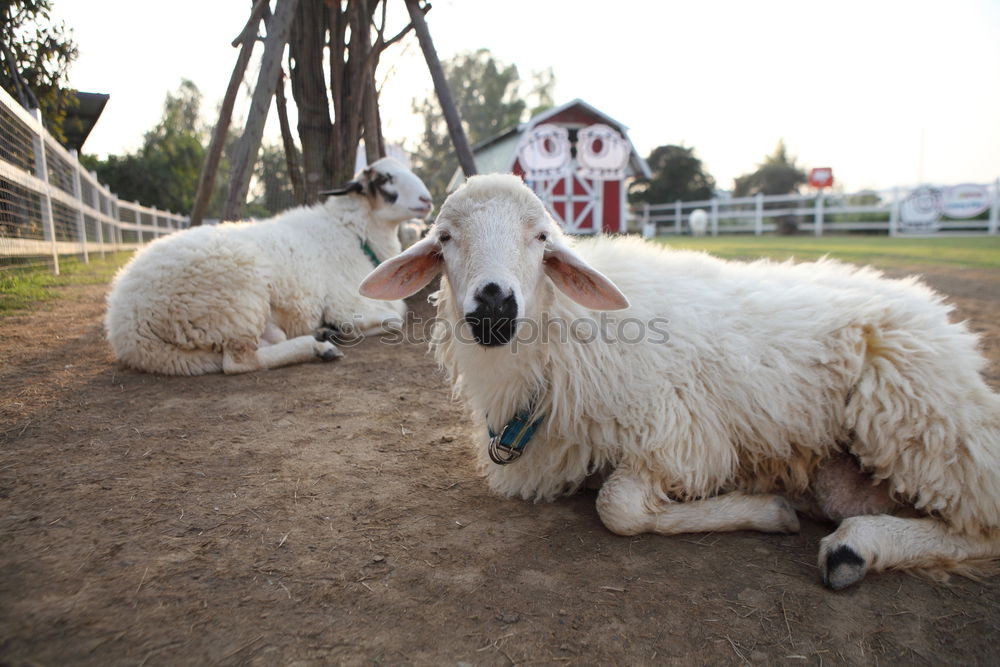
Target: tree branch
(260,10)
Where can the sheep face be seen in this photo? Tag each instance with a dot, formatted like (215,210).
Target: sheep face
(498,247)
(396,193)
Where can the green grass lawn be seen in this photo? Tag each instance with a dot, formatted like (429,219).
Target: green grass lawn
(22,289)
(981,252)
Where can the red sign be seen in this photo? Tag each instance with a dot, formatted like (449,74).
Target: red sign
(821,177)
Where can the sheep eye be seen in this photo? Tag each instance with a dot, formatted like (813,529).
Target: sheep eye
(444,236)
(543,237)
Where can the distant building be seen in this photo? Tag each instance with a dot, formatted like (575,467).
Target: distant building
(577,159)
(81,119)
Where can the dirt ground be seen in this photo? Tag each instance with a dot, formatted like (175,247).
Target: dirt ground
(331,514)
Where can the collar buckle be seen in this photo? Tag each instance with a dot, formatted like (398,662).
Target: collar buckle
(507,446)
(502,454)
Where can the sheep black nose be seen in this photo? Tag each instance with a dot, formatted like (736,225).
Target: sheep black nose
(495,318)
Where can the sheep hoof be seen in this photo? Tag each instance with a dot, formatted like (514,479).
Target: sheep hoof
(327,333)
(327,351)
(843,567)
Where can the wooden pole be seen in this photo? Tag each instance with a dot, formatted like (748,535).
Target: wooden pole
(245,153)
(291,153)
(462,149)
(209,171)
(374,142)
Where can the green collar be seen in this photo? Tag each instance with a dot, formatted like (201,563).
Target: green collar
(371,253)
(514,437)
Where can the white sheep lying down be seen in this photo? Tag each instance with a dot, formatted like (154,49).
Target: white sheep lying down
(750,386)
(239,297)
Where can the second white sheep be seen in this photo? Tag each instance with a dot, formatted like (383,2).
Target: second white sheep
(240,297)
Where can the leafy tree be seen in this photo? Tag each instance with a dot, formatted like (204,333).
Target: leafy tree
(490,98)
(677,174)
(164,171)
(36,55)
(777,175)
(273,183)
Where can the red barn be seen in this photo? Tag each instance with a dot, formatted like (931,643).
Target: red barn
(576,159)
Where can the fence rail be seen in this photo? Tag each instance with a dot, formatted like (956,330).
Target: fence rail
(51,206)
(898,212)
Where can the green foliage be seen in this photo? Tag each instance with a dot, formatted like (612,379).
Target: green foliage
(489,97)
(677,174)
(164,171)
(35,60)
(273,185)
(22,289)
(863,198)
(777,175)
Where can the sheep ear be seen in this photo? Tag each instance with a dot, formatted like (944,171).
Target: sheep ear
(346,188)
(580,281)
(404,274)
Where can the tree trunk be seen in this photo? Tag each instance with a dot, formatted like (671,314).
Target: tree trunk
(374,142)
(310,94)
(245,154)
(291,153)
(329,146)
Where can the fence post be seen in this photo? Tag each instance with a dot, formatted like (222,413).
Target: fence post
(115,213)
(758,214)
(894,212)
(715,217)
(995,208)
(677,217)
(42,173)
(818,214)
(95,203)
(81,224)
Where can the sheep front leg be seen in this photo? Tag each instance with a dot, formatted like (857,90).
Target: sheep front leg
(242,358)
(369,318)
(877,542)
(627,505)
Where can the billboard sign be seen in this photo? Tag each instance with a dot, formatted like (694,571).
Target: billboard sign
(964,201)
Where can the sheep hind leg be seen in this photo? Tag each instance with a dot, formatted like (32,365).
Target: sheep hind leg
(874,543)
(241,358)
(273,334)
(628,506)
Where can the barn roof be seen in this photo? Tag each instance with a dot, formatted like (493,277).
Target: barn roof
(498,153)
(81,119)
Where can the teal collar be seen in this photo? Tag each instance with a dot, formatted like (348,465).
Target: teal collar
(514,437)
(371,253)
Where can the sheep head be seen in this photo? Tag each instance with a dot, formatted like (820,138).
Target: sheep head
(497,245)
(395,192)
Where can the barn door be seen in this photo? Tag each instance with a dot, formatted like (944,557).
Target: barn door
(576,203)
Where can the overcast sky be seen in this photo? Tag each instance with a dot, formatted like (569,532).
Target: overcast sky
(885,92)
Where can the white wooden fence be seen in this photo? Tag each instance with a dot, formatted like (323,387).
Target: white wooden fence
(51,206)
(899,211)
